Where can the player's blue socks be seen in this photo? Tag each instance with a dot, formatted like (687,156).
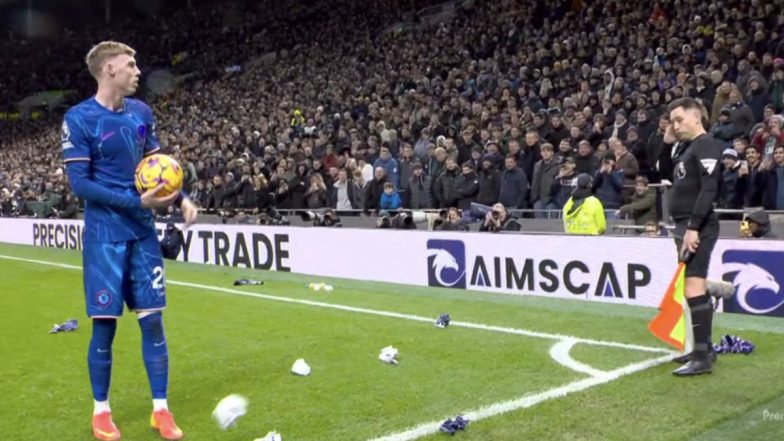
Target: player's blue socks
(155,353)
(99,357)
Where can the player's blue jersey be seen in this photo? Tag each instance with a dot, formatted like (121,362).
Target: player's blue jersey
(101,149)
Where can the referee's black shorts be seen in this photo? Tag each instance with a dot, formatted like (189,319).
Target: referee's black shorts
(709,234)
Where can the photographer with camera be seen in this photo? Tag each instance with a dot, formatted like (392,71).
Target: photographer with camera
(498,219)
(450,220)
(328,219)
(172,241)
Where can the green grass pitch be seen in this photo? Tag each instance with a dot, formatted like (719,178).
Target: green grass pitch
(222,342)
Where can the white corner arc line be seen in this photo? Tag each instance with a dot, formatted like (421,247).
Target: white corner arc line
(391,314)
(526,401)
(560,353)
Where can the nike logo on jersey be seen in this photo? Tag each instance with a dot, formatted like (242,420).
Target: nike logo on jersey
(106,136)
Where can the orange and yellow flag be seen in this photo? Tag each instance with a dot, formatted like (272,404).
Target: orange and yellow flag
(669,325)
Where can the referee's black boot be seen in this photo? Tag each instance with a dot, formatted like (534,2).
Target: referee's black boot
(697,366)
(685,358)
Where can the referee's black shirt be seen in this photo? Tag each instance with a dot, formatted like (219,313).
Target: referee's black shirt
(696,177)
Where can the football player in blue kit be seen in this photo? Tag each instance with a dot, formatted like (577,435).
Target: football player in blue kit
(103,140)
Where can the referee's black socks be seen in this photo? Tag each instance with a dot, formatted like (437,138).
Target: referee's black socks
(701,324)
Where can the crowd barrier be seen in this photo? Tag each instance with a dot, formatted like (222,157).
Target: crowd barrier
(621,270)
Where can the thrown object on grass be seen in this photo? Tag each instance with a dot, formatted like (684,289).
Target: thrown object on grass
(443,321)
(67,326)
(272,436)
(389,355)
(451,426)
(239,282)
(318,286)
(229,410)
(732,344)
(300,368)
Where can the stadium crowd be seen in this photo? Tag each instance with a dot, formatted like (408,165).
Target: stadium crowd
(505,103)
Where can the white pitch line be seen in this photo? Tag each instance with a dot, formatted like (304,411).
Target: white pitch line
(459,324)
(527,401)
(560,353)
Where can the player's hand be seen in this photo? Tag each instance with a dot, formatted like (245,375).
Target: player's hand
(691,240)
(150,200)
(189,211)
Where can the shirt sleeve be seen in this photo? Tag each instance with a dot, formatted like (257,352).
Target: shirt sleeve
(152,145)
(73,140)
(76,154)
(708,158)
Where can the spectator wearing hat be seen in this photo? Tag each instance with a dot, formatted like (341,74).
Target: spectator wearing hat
(608,185)
(545,172)
(643,205)
(420,187)
(467,186)
(756,225)
(489,182)
(734,182)
(724,129)
(583,213)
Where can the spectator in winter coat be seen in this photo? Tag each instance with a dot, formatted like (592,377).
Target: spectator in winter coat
(733,181)
(445,190)
(608,185)
(513,191)
(724,129)
(586,161)
(374,190)
(563,184)
(390,199)
(389,164)
(740,113)
(316,194)
(420,187)
(467,186)
(545,172)
(770,181)
(342,192)
(627,163)
(489,183)
(643,205)
(359,190)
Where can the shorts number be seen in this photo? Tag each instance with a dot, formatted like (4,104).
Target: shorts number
(157,283)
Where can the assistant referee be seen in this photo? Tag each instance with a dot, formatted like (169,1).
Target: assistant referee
(696,177)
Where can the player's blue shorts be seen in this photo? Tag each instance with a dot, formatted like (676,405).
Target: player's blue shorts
(123,272)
